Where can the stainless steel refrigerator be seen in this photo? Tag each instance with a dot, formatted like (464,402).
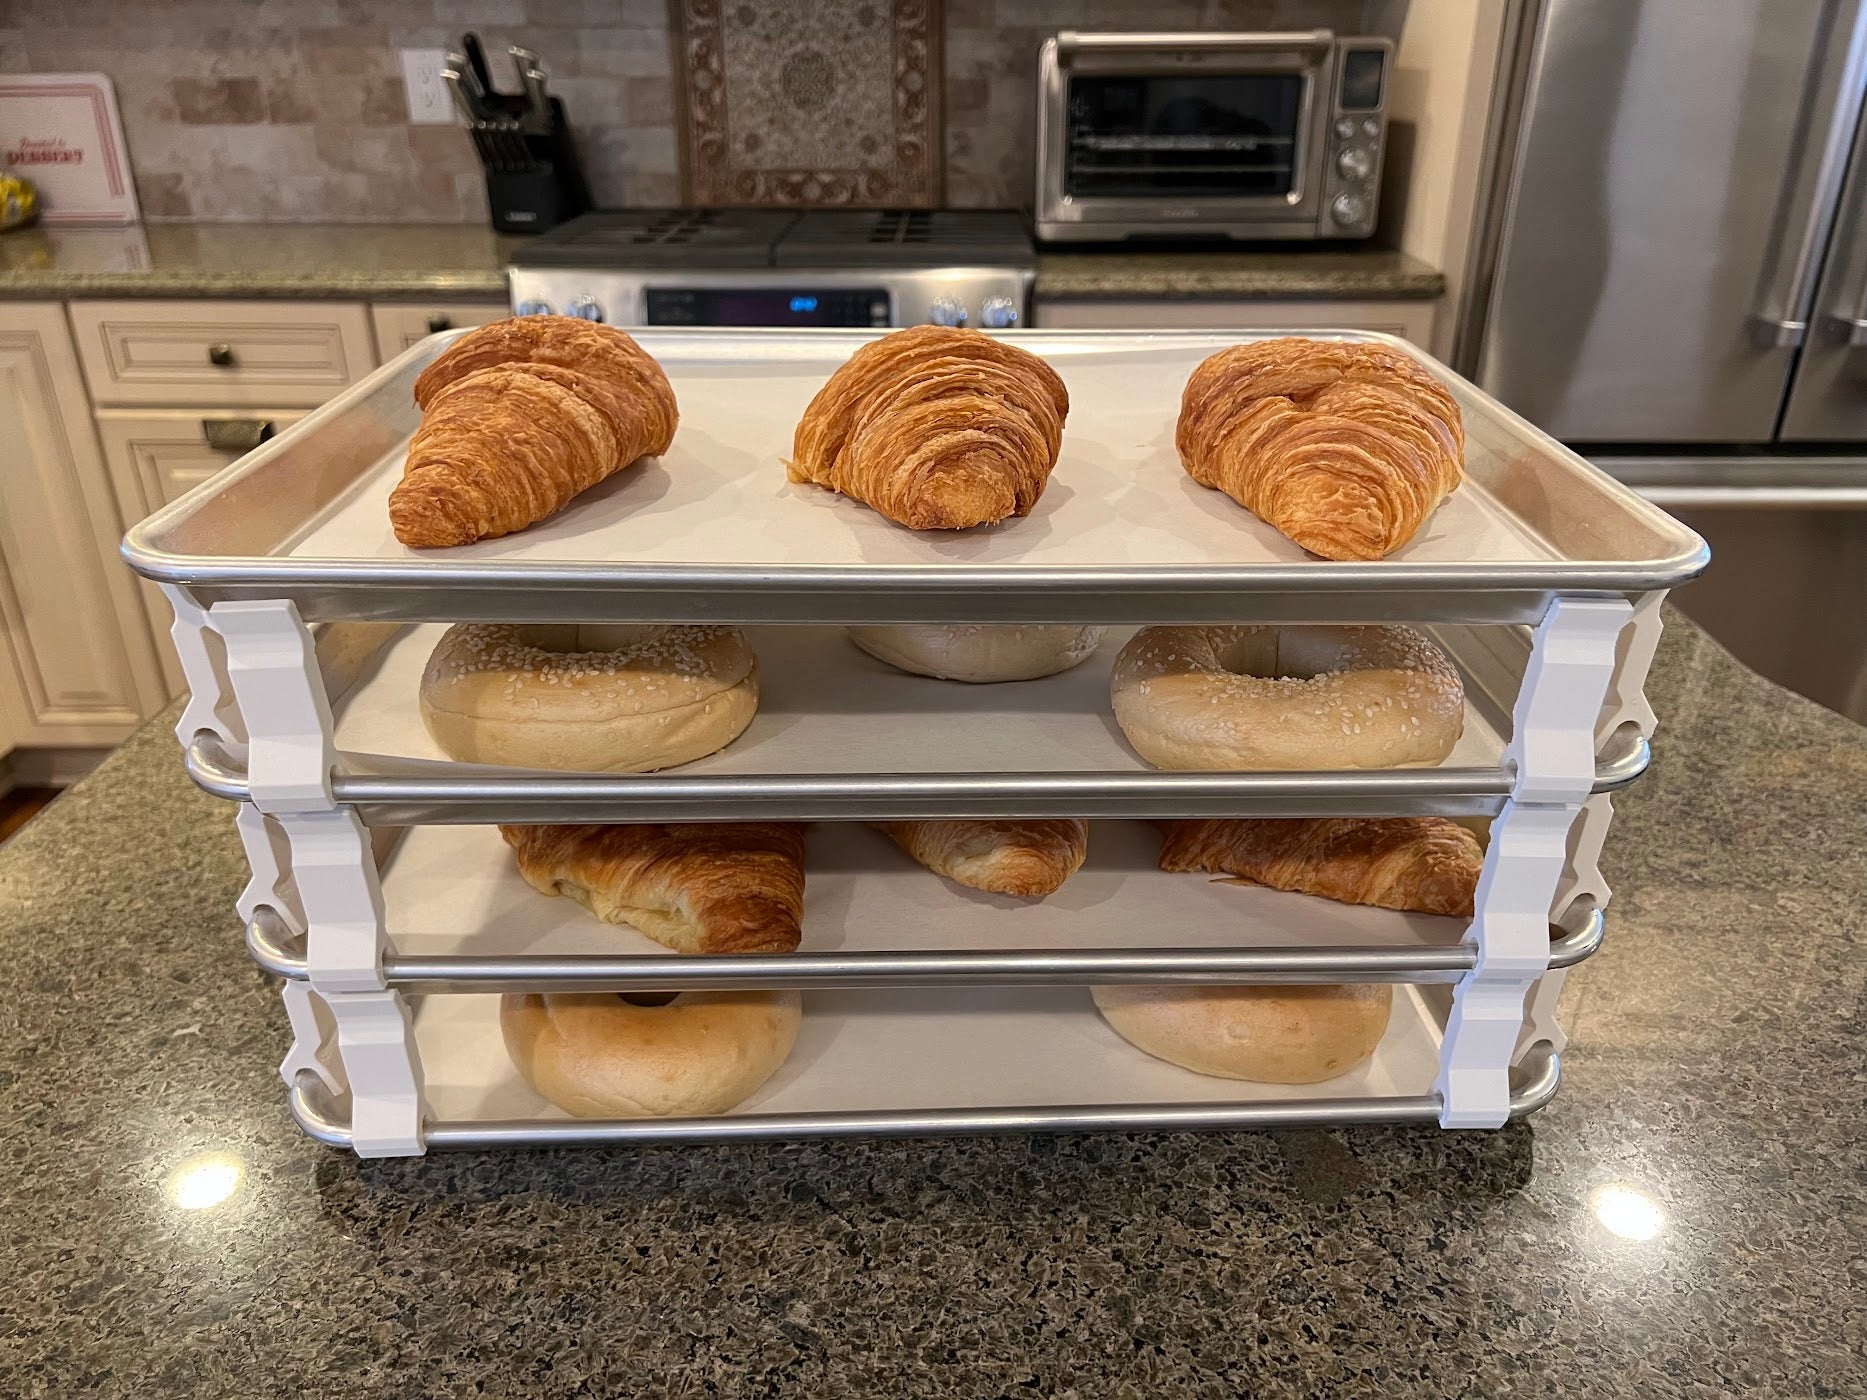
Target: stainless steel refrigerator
(1671,274)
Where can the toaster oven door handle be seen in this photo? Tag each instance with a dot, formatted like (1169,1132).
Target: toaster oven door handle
(1318,40)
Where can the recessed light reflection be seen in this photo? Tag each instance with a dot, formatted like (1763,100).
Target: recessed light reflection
(1631,1214)
(203,1182)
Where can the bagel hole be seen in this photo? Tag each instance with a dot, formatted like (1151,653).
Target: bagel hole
(647,998)
(572,638)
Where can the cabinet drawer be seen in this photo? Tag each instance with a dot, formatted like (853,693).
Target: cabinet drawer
(155,456)
(226,353)
(399,325)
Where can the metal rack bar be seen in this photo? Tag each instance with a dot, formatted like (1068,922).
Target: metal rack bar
(317,1112)
(270,942)
(446,797)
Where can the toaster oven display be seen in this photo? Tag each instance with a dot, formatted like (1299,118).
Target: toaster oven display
(1188,137)
(1362,71)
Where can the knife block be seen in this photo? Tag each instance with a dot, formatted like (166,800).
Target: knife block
(534,180)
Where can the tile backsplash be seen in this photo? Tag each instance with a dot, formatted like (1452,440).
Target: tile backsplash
(293,110)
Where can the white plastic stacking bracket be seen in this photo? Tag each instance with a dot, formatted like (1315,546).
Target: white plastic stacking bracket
(314,1039)
(1572,661)
(269,858)
(273,667)
(373,1056)
(1552,752)
(333,874)
(211,707)
(1626,700)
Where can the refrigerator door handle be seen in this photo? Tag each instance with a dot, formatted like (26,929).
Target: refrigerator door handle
(1817,177)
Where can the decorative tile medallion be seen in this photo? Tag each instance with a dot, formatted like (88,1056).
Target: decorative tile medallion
(810,101)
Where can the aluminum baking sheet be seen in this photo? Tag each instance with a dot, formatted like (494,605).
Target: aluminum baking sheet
(713,530)
(825,706)
(455,891)
(927,1048)
(841,735)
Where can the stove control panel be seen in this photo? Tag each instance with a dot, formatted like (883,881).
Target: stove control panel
(991,297)
(766,306)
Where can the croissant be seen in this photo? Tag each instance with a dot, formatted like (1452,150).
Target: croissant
(519,417)
(936,428)
(1422,863)
(1023,858)
(704,887)
(1345,448)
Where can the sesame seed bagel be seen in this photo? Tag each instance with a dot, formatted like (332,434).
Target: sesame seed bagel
(1237,697)
(586,697)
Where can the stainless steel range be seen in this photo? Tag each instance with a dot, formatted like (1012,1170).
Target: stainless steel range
(765,267)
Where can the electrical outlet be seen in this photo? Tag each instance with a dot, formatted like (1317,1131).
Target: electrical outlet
(429,102)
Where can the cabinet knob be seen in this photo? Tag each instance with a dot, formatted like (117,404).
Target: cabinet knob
(440,322)
(221,355)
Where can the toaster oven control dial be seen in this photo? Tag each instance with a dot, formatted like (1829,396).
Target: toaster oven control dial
(997,313)
(1355,163)
(532,306)
(947,311)
(1349,209)
(1344,128)
(585,309)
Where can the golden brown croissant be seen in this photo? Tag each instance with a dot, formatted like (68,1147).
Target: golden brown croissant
(1346,448)
(700,887)
(937,428)
(621,371)
(1023,858)
(1423,863)
(505,442)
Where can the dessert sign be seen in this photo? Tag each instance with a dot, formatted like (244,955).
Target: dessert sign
(62,132)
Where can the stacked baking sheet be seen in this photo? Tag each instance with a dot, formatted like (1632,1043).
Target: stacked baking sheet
(912,1024)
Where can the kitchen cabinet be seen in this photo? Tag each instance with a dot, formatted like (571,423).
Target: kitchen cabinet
(400,324)
(155,455)
(78,666)
(224,354)
(1410,320)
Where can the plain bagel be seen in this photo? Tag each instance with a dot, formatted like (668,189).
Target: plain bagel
(604,1055)
(590,698)
(979,653)
(1269,1034)
(1237,697)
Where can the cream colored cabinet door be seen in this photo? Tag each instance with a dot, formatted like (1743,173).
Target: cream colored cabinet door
(159,454)
(79,665)
(400,325)
(1410,320)
(184,353)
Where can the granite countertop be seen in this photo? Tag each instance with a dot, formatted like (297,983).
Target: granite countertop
(1715,1071)
(1310,273)
(256,260)
(454,260)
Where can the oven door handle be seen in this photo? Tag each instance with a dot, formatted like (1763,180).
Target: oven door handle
(1311,40)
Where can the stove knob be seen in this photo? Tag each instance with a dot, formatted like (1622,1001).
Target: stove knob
(996,313)
(1349,209)
(946,311)
(585,309)
(1355,163)
(532,306)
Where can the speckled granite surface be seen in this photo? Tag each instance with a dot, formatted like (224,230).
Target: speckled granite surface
(256,260)
(1716,1068)
(454,260)
(1373,274)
